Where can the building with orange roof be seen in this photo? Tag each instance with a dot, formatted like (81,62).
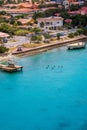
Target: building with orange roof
(27,5)
(26,21)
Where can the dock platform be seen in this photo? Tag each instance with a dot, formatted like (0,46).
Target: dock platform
(11,68)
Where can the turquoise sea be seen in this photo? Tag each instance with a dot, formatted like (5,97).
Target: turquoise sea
(49,94)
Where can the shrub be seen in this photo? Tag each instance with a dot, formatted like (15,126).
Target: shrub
(3,49)
(36,38)
(80,31)
(85,31)
(21,32)
(76,34)
(19,23)
(71,35)
(7,28)
(47,36)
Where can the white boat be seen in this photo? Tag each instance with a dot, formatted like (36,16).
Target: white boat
(78,45)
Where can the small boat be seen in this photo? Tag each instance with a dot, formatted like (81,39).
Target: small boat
(78,45)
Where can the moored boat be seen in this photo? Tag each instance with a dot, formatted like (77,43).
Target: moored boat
(78,45)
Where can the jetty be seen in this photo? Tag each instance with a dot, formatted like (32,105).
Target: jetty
(11,67)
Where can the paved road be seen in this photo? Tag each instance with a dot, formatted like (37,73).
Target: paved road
(19,40)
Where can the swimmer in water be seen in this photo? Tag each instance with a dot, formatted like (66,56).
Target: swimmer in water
(53,67)
(47,67)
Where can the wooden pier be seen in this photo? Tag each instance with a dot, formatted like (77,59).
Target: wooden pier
(11,68)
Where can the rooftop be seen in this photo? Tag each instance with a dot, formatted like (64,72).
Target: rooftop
(3,35)
(25,21)
(50,19)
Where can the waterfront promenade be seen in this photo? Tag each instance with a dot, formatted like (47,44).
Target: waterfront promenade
(51,45)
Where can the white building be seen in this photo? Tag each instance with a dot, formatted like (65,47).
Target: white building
(50,23)
(66,4)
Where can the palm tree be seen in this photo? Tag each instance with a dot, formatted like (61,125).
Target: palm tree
(58,36)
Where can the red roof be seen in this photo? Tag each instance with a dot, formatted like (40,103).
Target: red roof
(74,12)
(84,8)
(4,34)
(75,3)
(68,20)
(23,10)
(57,14)
(44,9)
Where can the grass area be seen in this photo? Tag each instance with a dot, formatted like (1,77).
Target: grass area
(27,45)
(12,40)
(12,49)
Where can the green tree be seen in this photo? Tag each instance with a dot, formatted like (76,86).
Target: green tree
(65,15)
(42,24)
(1,2)
(36,38)
(85,31)
(47,36)
(80,31)
(3,12)
(19,23)
(3,49)
(36,30)
(76,34)
(74,7)
(4,27)
(58,36)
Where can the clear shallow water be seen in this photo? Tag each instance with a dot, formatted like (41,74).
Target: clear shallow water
(41,98)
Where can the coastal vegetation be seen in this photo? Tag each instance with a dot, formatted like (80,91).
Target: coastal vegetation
(1,2)
(47,13)
(21,32)
(71,35)
(12,30)
(78,32)
(7,28)
(3,49)
(47,36)
(35,30)
(36,38)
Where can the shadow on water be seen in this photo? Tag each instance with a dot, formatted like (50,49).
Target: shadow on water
(84,126)
(44,109)
(9,88)
(16,72)
(37,128)
(63,125)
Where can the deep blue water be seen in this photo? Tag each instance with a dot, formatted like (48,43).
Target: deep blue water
(49,94)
